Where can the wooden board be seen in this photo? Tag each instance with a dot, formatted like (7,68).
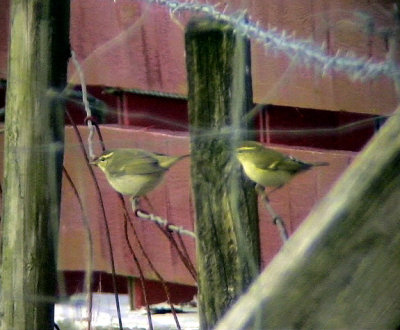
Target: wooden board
(131,44)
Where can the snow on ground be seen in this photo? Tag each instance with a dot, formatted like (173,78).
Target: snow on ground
(72,315)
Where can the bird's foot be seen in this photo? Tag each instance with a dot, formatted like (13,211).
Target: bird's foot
(135,201)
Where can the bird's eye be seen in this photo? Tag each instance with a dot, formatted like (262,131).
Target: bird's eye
(104,158)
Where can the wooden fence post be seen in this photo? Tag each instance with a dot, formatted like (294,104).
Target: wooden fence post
(228,251)
(340,269)
(34,131)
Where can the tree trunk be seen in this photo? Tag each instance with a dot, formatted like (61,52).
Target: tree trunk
(34,130)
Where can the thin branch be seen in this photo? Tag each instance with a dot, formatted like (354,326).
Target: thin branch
(187,257)
(89,270)
(165,287)
(86,105)
(141,276)
(276,219)
(166,228)
(163,222)
(108,235)
(186,261)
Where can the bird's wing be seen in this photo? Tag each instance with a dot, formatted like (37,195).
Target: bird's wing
(291,164)
(275,161)
(139,164)
(267,159)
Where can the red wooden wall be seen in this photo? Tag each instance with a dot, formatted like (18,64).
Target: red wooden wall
(120,45)
(133,44)
(172,201)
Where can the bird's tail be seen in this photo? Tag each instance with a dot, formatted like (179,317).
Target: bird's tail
(168,161)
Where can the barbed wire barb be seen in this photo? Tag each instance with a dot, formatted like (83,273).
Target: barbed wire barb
(307,51)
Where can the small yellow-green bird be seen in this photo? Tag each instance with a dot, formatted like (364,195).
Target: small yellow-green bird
(134,172)
(268,167)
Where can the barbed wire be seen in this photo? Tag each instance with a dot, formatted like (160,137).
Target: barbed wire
(306,51)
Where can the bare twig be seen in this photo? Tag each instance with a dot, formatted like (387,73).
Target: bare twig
(89,269)
(277,220)
(141,276)
(160,278)
(186,261)
(185,252)
(86,105)
(162,222)
(108,235)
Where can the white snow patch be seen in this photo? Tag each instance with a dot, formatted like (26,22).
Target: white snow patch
(72,315)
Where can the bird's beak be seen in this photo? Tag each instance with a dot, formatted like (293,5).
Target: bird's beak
(94,161)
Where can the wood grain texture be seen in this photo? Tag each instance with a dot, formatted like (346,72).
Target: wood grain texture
(130,51)
(34,131)
(140,46)
(340,269)
(227,229)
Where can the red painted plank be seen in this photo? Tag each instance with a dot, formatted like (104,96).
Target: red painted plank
(140,46)
(4,33)
(171,200)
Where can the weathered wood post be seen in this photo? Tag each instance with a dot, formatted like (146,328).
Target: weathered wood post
(228,252)
(34,131)
(341,268)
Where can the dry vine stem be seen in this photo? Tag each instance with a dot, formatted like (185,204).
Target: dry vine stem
(89,269)
(277,220)
(91,157)
(160,221)
(162,281)
(108,236)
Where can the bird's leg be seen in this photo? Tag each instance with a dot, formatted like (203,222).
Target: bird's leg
(135,203)
(261,191)
(277,220)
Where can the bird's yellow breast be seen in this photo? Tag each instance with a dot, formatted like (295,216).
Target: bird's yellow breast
(265,177)
(135,185)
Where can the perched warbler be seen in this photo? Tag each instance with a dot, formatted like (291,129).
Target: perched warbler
(268,167)
(134,172)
